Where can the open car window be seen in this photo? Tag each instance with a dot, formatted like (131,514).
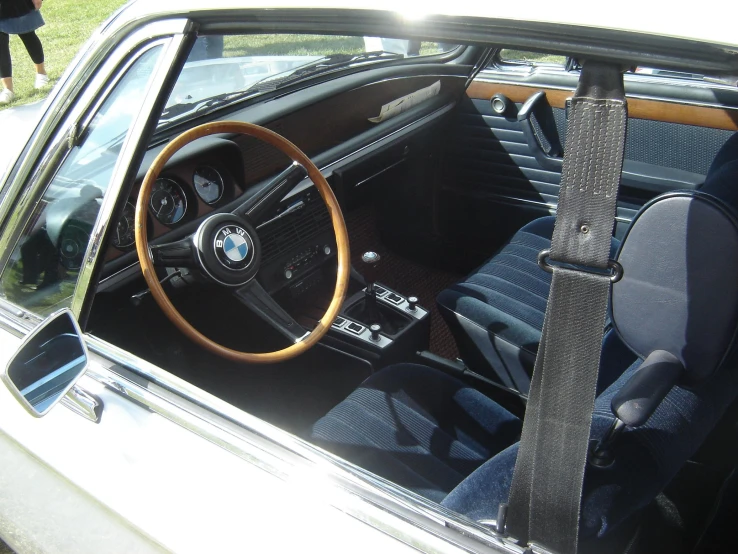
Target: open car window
(224,68)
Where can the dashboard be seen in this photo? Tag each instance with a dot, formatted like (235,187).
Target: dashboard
(219,172)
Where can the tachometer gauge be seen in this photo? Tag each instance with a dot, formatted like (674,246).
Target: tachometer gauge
(208,184)
(168,201)
(124,234)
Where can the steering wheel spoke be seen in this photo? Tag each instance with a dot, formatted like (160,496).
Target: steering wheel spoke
(259,205)
(174,254)
(260,302)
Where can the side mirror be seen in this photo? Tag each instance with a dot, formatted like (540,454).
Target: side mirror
(47,364)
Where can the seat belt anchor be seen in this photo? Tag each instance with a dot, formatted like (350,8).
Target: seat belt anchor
(614,268)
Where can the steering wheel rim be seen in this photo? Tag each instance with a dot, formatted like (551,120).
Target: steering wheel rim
(339,228)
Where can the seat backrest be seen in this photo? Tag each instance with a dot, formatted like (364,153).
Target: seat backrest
(679,294)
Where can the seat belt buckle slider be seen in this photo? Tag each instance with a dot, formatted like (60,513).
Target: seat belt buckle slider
(615,270)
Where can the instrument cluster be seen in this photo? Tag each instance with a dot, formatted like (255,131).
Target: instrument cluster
(176,196)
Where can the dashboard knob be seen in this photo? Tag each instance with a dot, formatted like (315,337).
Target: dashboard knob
(412,303)
(327,250)
(375,329)
(287,274)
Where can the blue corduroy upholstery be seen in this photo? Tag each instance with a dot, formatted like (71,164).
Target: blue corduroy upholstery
(434,435)
(417,427)
(646,458)
(496,313)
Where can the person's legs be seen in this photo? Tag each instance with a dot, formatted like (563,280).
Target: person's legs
(36,50)
(6,66)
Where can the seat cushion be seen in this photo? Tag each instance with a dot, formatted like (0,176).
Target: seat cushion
(417,427)
(646,458)
(496,313)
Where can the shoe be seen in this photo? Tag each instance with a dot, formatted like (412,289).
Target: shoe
(41,81)
(6,96)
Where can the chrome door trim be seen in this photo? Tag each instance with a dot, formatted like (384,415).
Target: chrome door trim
(399,513)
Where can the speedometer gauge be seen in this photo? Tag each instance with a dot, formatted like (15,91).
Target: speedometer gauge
(124,235)
(208,184)
(168,201)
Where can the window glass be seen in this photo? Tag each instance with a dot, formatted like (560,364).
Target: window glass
(530,59)
(224,68)
(43,269)
(516,59)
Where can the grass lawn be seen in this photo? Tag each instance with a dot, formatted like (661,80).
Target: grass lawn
(69,23)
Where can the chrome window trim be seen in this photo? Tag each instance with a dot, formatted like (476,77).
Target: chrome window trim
(500,80)
(401,514)
(117,183)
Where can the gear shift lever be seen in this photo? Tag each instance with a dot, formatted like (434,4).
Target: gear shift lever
(371,259)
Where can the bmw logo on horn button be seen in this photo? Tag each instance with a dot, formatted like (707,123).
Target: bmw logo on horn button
(233,247)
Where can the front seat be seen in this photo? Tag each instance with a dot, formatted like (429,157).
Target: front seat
(442,439)
(496,312)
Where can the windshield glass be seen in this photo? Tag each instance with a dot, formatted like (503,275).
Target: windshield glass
(222,68)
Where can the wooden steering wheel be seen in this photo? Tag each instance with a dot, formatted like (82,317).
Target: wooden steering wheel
(226,247)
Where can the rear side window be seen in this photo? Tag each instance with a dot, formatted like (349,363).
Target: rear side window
(523,58)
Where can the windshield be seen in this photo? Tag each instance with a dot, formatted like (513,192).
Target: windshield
(222,68)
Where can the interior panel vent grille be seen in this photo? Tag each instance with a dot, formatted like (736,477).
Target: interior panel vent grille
(286,233)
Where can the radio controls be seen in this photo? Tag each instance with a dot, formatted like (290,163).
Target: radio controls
(305,259)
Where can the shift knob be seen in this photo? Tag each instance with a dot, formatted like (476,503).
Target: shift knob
(370,259)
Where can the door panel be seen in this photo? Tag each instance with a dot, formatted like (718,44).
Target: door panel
(501,172)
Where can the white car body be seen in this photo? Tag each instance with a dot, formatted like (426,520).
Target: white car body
(169,467)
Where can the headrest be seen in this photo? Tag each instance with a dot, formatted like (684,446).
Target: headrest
(679,291)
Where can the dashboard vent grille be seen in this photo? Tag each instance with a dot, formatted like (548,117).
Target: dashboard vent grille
(292,230)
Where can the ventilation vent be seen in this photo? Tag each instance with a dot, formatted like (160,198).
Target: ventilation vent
(285,234)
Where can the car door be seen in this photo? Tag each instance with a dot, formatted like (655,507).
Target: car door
(135,459)
(509,134)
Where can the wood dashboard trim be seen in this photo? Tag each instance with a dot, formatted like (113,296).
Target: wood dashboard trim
(638,108)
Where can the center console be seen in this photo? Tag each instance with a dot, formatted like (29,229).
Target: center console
(380,324)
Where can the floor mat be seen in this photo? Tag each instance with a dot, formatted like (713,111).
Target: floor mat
(405,276)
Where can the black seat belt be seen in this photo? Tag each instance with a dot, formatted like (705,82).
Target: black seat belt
(546,491)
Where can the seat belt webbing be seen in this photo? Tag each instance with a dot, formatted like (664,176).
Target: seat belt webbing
(546,491)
